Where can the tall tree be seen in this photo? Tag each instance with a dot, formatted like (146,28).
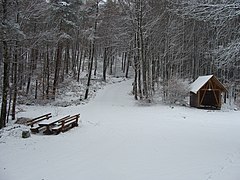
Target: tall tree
(92,45)
(6,63)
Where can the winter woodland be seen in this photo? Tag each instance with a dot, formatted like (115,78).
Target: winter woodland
(164,43)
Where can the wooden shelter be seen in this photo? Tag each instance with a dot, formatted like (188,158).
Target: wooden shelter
(206,91)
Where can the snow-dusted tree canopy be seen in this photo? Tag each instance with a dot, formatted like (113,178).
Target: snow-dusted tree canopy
(223,17)
(43,43)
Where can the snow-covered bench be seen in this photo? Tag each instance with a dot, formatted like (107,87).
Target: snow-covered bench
(38,119)
(66,124)
(49,124)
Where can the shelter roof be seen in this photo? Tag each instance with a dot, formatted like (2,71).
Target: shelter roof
(199,82)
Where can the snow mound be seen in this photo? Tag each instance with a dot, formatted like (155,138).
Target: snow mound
(12,131)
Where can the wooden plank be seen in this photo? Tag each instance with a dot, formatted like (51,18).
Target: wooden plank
(36,129)
(38,119)
(51,122)
(66,124)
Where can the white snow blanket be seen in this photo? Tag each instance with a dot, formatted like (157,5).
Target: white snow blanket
(120,139)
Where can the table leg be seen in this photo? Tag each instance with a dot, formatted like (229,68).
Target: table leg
(47,131)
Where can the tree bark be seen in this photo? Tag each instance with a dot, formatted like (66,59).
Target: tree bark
(127,67)
(6,62)
(57,69)
(15,79)
(79,64)
(5,88)
(90,72)
(92,49)
(105,64)
(47,73)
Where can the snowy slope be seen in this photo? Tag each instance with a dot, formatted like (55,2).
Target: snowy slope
(120,140)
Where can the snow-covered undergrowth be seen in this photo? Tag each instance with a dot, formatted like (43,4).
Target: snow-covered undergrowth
(122,140)
(12,131)
(70,92)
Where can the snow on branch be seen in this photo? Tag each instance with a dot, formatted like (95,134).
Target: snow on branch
(206,12)
(63,3)
(229,54)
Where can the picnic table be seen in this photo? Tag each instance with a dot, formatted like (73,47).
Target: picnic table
(48,124)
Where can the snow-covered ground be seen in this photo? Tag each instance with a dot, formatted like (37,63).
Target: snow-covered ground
(120,139)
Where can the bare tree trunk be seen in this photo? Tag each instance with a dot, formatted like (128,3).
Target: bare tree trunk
(111,62)
(79,64)
(84,58)
(9,104)
(90,71)
(5,85)
(105,64)
(92,49)
(123,61)
(6,62)
(48,73)
(36,89)
(95,64)
(127,67)
(141,48)
(30,69)
(20,71)
(139,84)
(66,60)
(154,76)
(74,59)
(57,69)
(135,92)
(15,79)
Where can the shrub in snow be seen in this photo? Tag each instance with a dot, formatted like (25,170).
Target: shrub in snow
(238,100)
(176,91)
(22,120)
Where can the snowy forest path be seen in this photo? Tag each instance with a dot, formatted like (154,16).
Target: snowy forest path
(117,94)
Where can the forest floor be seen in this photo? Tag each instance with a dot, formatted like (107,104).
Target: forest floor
(121,139)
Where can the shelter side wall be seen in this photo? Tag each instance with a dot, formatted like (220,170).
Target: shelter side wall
(194,100)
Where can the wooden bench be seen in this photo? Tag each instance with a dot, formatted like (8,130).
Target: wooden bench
(48,124)
(37,129)
(66,124)
(38,119)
